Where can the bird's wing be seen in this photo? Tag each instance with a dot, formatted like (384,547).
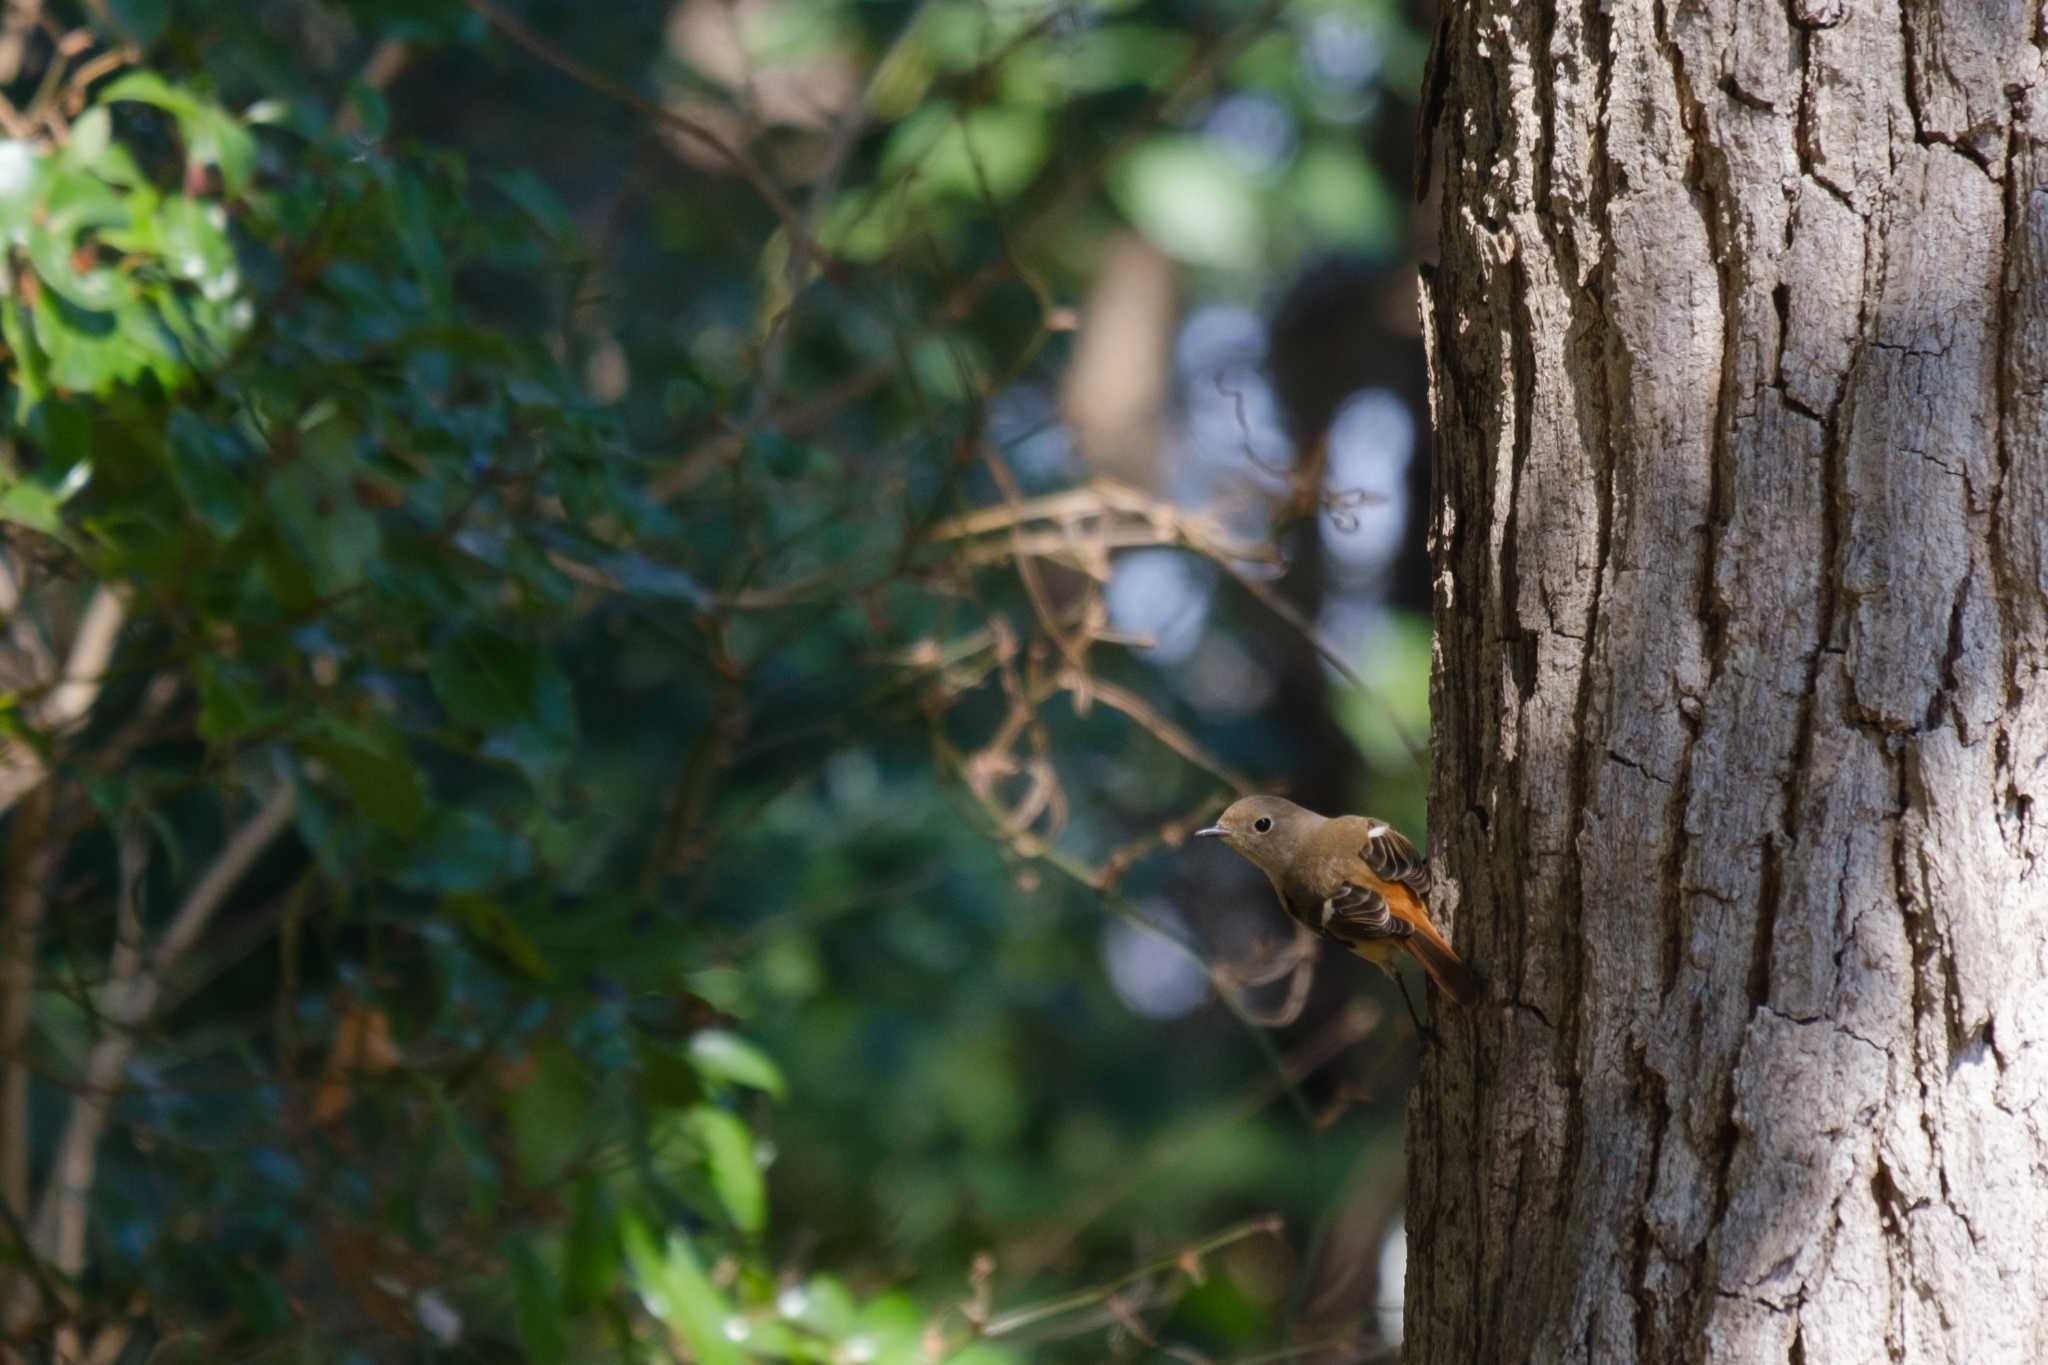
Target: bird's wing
(1357,912)
(1384,897)
(1388,855)
(1358,915)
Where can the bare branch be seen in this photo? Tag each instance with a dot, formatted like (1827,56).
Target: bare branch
(1187,1260)
(15,28)
(770,193)
(127,1003)
(1158,726)
(91,651)
(32,856)
(71,698)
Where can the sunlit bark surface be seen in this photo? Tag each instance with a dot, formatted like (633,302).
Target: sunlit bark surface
(1740,353)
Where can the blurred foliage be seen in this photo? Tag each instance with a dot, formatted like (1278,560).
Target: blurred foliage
(582,847)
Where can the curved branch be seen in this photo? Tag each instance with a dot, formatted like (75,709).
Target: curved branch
(129,1000)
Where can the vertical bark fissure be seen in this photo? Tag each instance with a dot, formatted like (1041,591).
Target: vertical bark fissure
(1707,177)
(2006,583)
(1646,1300)
(1912,74)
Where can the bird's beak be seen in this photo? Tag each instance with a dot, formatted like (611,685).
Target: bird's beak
(1213,832)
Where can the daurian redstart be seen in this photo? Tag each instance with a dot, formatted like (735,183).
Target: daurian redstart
(1352,879)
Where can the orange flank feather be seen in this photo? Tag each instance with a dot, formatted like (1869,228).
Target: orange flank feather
(1429,948)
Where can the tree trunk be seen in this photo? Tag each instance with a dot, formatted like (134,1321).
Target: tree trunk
(1740,359)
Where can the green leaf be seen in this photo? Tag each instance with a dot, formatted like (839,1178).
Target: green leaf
(512,692)
(867,222)
(336,536)
(28,503)
(535,198)
(232,702)
(372,111)
(147,87)
(1124,54)
(486,679)
(1340,195)
(490,924)
(92,351)
(537,1307)
(92,136)
(1392,709)
(193,237)
(31,366)
(723,1056)
(208,466)
(666,1080)
(370,760)
(24,169)
(991,151)
(677,1291)
(1192,200)
(893,1330)
(464,850)
(549,1115)
(418,235)
(825,1306)
(590,1250)
(780,456)
(66,433)
(213,137)
(140,22)
(728,1147)
(981,1353)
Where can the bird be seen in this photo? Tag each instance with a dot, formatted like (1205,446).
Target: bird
(1352,879)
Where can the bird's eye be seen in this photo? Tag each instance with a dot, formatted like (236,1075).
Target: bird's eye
(1262,824)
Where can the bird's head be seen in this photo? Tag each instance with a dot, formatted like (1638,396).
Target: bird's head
(1265,829)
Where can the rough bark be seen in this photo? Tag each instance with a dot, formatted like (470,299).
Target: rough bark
(1740,367)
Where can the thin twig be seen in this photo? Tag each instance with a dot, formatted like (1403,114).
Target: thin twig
(386,63)
(1156,725)
(128,1000)
(1163,1153)
(15,29)
(20,1305)
(72,695)
(1212,55)
(1186,1258)
(599,83)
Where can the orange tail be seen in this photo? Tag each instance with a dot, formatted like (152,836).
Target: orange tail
(1446,968)
(1437,957)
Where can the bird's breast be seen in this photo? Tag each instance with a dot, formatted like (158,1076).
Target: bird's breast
(1379,951)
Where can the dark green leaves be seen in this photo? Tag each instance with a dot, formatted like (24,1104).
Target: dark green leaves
(488,680)
(537,1307)
(370,761)
(493,926)
(463,850)
(232,699)
(510,692)
(210,467)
